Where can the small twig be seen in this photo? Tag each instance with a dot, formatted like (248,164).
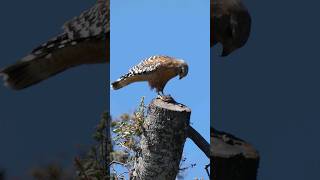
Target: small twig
(199,141)
(206,168)
(119,163)
(114,171)
(122,175)
(187,167)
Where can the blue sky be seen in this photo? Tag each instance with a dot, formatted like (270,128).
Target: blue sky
(140,29)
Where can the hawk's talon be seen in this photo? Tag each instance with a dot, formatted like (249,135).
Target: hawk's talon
(165,98)
(159,96)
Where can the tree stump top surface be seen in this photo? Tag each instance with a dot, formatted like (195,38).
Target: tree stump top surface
(172,105)
(227,145)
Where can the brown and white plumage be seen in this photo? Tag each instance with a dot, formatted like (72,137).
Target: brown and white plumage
(85,40)
(157,70)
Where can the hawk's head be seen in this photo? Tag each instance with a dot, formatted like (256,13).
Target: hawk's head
(236,33)
(231,24)
(183,69)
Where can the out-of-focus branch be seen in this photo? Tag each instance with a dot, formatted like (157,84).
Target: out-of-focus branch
(232,158)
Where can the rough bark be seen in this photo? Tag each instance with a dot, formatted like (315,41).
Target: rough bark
(163,138)
(232,158)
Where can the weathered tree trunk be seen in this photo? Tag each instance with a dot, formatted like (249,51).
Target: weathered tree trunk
(232,158)
(163,138)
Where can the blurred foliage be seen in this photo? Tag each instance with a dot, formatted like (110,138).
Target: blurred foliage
(127,136)
(2,174)
(127,130)
(52,171)
(122,150)
(94,165)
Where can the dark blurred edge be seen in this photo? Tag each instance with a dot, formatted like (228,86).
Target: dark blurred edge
(2,174)
(232,158)
(108,123)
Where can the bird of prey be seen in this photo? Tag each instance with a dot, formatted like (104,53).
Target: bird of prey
(230,24)
(157,70)
(85,40)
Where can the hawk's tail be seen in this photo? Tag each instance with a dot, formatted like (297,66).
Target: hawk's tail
(39,65)
(121,82)
(26,73)
(57,55)
(117,84)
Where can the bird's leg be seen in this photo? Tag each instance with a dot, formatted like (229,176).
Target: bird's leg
(159,95)
(162,93)
(167,96)
(164,97)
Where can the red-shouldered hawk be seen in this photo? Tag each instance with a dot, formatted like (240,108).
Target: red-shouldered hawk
(85,40)
(230,24)
(157,70)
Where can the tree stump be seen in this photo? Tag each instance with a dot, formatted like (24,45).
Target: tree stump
(232,158)
(162,141)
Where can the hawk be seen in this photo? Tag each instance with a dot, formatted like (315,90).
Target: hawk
(85,40)
(230,24)
(157,70)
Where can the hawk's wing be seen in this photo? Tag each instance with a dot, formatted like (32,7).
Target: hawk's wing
(230,24)
(85,40)
(141,71)
(91,23)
